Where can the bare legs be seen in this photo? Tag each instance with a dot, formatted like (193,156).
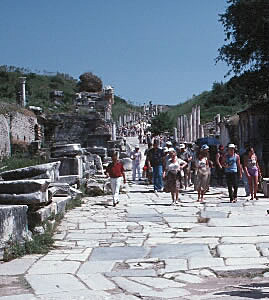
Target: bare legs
(201,193)
(253,186)
(174,197)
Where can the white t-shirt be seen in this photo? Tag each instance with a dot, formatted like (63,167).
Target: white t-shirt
(175,166)
(137,157)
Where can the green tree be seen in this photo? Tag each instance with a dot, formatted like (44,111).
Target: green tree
(161,123)
(246,26)
(89,83)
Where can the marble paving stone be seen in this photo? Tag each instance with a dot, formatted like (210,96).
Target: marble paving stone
(239,221)
(56,257)
(174,265)
(118,253)
(181,219)
(188,278)
(88,236)
(237,250)
(19,297)
(239,268)
(160,283)
(180,251)
(92,267)
(132,273)
(97,282)
(171,293)
(16,266)
(245,240)
(54,267)
(246,261)
(90,225)
(131,287)
(54,283)
(78,257)
(76,295)
(208,213)
(205,262)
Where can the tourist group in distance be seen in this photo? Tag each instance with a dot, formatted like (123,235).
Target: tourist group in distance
(173,167)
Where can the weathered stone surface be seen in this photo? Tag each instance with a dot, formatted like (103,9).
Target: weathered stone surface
(239,250)
(70,179)
(118,253)
(94,188)
(44,171)
(25,199)
(17,266)
(239,221)
(180,251)
(13,222)
(54,267)
(92,267)
(54,283)
(70,150)
(175,265)
(23,186)
(97,282)
(188,278)
(246,261)
(71,166)
(206,262)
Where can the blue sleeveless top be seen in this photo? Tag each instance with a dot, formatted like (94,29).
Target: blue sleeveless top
(232,164)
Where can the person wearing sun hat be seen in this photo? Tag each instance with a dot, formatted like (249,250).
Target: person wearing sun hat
(136,156)
(232,169)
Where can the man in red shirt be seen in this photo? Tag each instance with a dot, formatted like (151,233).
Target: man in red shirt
(116,172)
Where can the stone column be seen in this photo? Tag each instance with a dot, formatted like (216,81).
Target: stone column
(178,128)
(218,124)
(201,129)
(120,121)
(194,123)
(198,122)
(114,131)
(175,134)
(187,138)
(190,128)
(23,94)
(182,126)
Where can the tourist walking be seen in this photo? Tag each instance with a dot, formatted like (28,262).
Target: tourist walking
(232,169)
(185,156)
(116,173)
(252,171)
(202,175)
(136,157)
(243,159)
(155,161)
(173,174)
(220,159)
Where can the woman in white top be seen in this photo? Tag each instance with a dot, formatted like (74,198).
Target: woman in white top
(202,175)
(173,174)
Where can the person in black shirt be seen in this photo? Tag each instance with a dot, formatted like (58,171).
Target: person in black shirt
(155,161)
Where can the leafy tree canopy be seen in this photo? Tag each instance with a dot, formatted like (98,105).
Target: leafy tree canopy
(246,26)
(161,123)
(89,83)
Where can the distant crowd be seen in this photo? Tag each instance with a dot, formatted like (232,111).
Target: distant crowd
(171,167)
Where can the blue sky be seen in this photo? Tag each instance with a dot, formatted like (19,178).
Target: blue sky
(159,50)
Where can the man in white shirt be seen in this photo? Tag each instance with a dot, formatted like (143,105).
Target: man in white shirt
(136,156)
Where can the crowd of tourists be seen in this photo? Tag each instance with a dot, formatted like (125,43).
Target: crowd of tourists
(171,167)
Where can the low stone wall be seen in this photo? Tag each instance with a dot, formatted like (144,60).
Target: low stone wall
(18,128)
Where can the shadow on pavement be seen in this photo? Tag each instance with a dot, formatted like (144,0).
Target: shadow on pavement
(251,291)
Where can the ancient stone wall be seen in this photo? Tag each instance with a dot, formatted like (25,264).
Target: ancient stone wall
(22,127)
(4,137)
(16,128)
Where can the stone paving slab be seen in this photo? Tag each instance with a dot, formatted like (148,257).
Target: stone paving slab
(54,283)
(180,251)
(118,253)
(237,250)
(17,266)
(54,267)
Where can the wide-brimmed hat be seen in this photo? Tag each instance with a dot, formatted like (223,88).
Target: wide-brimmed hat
(172,150)
(136,146)
(205,147)
(181,146)
(231,146)
(169,143)
(165,149)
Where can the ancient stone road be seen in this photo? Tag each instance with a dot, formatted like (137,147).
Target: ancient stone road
(146,249)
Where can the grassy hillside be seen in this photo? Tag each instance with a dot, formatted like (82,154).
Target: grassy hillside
(38,87)
(223,99)
(122,107)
